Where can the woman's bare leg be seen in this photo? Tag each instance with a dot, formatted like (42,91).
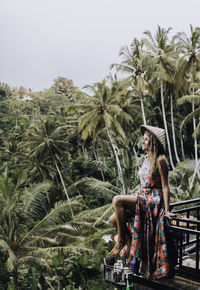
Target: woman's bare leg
(121,204)
(113,221)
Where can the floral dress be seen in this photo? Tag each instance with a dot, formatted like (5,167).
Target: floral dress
(147,227)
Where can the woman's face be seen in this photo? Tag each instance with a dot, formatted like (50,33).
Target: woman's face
(145,142)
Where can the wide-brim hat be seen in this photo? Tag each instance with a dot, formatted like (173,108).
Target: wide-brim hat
(159,133)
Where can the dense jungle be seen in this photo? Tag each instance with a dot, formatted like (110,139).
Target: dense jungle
(65,153)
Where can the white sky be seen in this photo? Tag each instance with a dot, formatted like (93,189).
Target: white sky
(78,39)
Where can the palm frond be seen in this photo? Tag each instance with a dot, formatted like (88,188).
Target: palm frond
(153,43)
(189,99)
(55,216)
(54,251)
(90,127)
(84,119)
(92,214)
(12,259)
(190,117)
(96,187)
(41,241)
(107,119)
(196,132)
(119,128)
(106,214)
(22,177)
(33,197)
(39,263)
(83,226)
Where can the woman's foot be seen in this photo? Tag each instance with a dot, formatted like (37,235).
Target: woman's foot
(130,257)
(117,248)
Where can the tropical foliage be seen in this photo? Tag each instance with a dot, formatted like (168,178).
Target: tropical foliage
(65,153)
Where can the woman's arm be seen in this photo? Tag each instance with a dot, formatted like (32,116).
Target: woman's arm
(163,170)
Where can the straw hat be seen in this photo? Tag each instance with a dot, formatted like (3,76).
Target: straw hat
(159,133)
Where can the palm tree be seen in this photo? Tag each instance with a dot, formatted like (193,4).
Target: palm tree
(28,228)
(163,58)
(189,65)
(172,89)
(134,63)
(194,98)
(101,114)
(46,142)
(173,127)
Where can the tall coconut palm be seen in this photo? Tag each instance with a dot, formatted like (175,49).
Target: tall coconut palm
(172,90)
(134,63)
(163,57)
(194,99)
(173,128)
(101,114)
(46,142)
(189,65)
(128,98)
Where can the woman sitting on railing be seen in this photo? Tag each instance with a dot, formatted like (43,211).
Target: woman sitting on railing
(139,218)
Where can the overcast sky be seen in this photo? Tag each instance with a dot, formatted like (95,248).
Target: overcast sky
(78,39)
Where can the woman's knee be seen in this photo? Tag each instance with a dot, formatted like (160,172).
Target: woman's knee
(112,220)
(128,202)
(120,200)
(117,201)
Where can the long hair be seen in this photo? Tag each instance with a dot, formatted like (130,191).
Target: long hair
(156,150)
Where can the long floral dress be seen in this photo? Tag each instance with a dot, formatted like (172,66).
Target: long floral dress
(147,227)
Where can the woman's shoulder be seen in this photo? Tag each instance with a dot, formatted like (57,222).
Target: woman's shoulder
(162,162)
(162,158)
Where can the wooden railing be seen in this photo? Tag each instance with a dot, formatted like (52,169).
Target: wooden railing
(187,232)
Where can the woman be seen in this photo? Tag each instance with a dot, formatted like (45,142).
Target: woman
(139,218)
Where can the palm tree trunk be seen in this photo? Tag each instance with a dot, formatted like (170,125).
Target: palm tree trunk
(119,169)
(195,172)
(97,159)
(15,278)
(195,139)
(182,148)
(165,125)
(63,184)
(142,108)
(173,130)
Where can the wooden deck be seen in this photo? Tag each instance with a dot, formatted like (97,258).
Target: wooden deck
(175,283)
(187,270)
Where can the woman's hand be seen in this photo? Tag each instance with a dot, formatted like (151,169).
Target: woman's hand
(170,215)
